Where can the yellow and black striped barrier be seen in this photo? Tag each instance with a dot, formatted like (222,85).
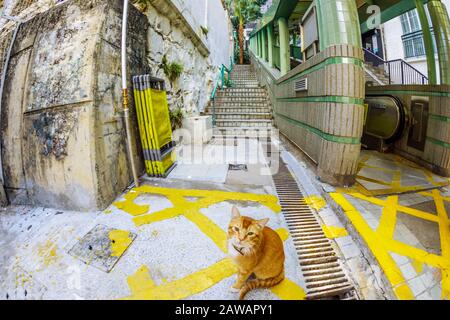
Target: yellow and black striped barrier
(154,125)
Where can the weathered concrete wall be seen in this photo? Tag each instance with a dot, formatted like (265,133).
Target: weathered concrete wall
(62,131)
(175,31)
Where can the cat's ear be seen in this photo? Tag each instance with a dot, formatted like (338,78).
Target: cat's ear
(263,222)
(235,213)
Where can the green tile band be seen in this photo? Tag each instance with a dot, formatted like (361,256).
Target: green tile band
(331,99)
(439,142)
(439,118)
(323,135)
(412,92)
(323,64)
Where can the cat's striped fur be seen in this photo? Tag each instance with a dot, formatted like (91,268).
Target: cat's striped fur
(255,249)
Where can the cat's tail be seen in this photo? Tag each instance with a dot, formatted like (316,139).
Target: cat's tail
(260,283)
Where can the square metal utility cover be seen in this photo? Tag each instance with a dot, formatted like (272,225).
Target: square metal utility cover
(237,167)
(102,247)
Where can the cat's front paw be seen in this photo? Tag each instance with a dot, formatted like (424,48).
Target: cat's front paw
(234,289)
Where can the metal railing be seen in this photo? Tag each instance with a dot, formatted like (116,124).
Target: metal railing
(296,52)
(397,71)
(401,72)
(220,81)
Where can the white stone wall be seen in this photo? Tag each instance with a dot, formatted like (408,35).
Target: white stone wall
(394,45)
(192,90)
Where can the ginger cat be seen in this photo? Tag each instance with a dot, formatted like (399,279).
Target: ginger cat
(255,249)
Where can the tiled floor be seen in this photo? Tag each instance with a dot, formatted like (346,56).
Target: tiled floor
(390,174)
(408,233)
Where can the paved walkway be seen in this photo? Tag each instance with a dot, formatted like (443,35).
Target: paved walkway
(163,240)
(403,217)
(166,239)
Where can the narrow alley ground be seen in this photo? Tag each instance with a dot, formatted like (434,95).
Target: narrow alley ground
(166,239)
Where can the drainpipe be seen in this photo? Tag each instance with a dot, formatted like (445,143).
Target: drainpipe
(125,92)
(3,200)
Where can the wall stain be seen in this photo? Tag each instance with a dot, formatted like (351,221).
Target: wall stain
(53,130)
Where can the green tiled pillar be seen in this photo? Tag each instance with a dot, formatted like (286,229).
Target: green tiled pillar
(259,45)
(270,43)
(264,44)
(285,54)
(338,23)
(428,42)
(441,27)
(256,45)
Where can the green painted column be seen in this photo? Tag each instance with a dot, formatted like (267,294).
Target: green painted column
(270,42)
(285,54)
(259,45)
(338,23)
(441,27)
(264,44)
(428,42)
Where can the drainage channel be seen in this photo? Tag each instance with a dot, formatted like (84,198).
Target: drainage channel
(324,276)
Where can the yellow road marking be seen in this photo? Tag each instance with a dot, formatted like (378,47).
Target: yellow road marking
(120,240)
(315,202)
(332,232)
(376,244)
(141,285)
(388,219)
(143,288)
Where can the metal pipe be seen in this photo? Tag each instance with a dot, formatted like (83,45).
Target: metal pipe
(2,82)
(125,92)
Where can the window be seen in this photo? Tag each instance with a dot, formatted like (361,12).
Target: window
(412,38)
(410,22)
(414,46)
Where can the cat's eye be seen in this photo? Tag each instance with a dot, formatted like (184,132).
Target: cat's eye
(236,229)
(250,233)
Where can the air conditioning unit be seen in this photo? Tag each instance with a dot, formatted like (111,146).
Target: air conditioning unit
(301,85)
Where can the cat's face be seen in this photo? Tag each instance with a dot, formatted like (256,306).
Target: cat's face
(245,233)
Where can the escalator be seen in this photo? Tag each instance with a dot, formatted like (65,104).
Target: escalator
(386,120)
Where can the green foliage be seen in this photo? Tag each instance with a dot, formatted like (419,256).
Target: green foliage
(244,11)
(172,70)
(246,56)
(176,118)
(228,83)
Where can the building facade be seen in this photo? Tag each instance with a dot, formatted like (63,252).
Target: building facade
(403,39)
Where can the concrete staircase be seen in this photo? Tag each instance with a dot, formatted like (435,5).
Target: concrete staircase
(244,109)
(375,75)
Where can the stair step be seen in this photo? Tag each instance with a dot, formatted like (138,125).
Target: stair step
(221,123)
(242,100)
(242,132)
(227,116)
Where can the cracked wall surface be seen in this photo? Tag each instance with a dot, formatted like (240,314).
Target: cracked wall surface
(180,41)
(62,130)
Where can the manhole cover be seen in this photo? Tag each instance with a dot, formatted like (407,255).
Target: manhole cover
(102,247)
(237,167)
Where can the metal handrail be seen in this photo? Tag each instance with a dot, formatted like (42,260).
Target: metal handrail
(398,71)
(221,80)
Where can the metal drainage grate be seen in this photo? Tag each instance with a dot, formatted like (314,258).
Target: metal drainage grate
(237,167)
(324,276)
